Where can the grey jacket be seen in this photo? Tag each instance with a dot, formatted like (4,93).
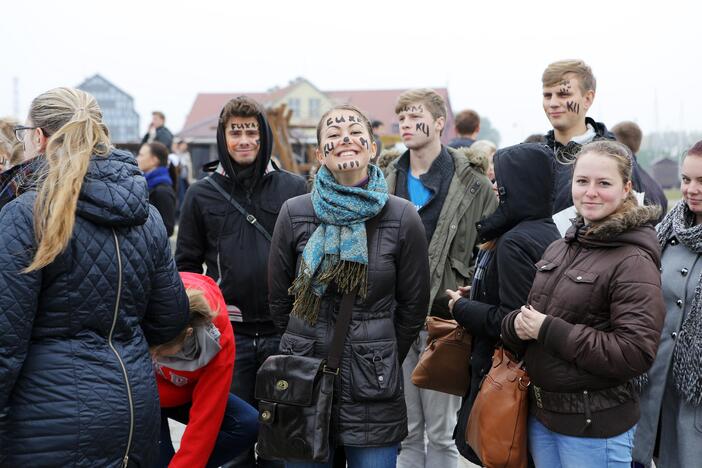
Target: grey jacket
(369,408)
(681,424)
(469,199)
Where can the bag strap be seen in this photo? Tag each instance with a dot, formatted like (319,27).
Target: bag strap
(343,320)
(249,217)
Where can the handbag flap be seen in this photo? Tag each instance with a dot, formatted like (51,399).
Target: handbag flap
(288,379)
(439,328)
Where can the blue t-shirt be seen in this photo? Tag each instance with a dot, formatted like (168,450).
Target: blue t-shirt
(418,193)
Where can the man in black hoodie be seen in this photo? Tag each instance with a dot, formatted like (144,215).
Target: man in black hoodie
(568,93)
(226,222)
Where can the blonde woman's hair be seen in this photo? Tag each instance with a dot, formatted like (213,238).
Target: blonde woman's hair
(200,311)
(201,314)
(72,121)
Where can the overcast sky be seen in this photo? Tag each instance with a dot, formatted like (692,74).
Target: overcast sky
(645,55)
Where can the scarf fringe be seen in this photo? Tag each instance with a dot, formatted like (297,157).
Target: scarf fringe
(347,276)
(686,365)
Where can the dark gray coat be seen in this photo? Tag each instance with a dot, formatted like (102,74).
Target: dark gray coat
(680,423)
(368,411)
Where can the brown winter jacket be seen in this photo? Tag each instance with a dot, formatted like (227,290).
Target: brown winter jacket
(600,290)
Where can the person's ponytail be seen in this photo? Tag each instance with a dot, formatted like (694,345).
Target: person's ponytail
(73,121)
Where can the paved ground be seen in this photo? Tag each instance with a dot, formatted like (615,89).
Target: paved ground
(177,432)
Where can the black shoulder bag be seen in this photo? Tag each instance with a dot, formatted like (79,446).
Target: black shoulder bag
(249,217)
(295,396)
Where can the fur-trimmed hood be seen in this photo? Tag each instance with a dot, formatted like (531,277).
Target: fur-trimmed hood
(476,159)
(631,224)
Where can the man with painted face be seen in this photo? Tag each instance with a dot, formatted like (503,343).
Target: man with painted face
(568,93)
(451,194)
(226,222)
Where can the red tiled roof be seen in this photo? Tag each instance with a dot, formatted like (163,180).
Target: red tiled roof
(376,104)
(208,105)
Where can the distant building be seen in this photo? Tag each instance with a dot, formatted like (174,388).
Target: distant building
(308,104)
(117,109)
(665,172)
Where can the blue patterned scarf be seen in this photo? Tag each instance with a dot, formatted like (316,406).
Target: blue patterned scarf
(337,251)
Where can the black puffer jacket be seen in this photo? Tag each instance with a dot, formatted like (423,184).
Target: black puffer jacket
(369,411)
(77,386)
(522,228)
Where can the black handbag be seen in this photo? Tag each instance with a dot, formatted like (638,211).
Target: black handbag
(295,400)
(295,395)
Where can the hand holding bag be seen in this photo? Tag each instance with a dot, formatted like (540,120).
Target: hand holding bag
(497,425)
(444,365)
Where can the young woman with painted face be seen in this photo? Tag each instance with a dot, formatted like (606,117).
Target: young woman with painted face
(671,401)
(319,252)
(592,320)
(194,372)
(87,284)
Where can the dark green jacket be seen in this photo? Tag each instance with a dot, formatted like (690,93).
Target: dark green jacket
(470,198)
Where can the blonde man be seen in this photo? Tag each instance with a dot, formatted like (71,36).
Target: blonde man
(451,194)
(568,93)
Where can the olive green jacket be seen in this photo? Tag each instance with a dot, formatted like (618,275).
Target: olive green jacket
(469,199)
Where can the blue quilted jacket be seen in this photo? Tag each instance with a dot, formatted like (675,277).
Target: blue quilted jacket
(76,383)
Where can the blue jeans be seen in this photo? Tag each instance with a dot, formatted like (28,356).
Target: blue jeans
(552,450)
(359,457)
(251,351)
(237,433)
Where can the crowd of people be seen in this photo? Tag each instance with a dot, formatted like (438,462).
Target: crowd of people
(561,249)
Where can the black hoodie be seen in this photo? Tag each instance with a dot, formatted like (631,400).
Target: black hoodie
(213,232)
(522,228)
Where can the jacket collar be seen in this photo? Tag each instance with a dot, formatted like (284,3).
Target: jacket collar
(440,169)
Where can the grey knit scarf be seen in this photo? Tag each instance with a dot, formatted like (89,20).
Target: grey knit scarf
(687,354)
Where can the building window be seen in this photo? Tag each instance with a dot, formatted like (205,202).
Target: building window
(294,104)
(314,105)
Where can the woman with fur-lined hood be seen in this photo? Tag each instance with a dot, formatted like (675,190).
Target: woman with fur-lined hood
(593,319)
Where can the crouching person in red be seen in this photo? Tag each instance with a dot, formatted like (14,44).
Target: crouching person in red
(194,373)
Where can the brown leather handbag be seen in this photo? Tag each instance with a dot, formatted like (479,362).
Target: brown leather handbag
(444,365)
(497,425)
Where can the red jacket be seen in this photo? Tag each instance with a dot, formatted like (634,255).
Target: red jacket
(207,388)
